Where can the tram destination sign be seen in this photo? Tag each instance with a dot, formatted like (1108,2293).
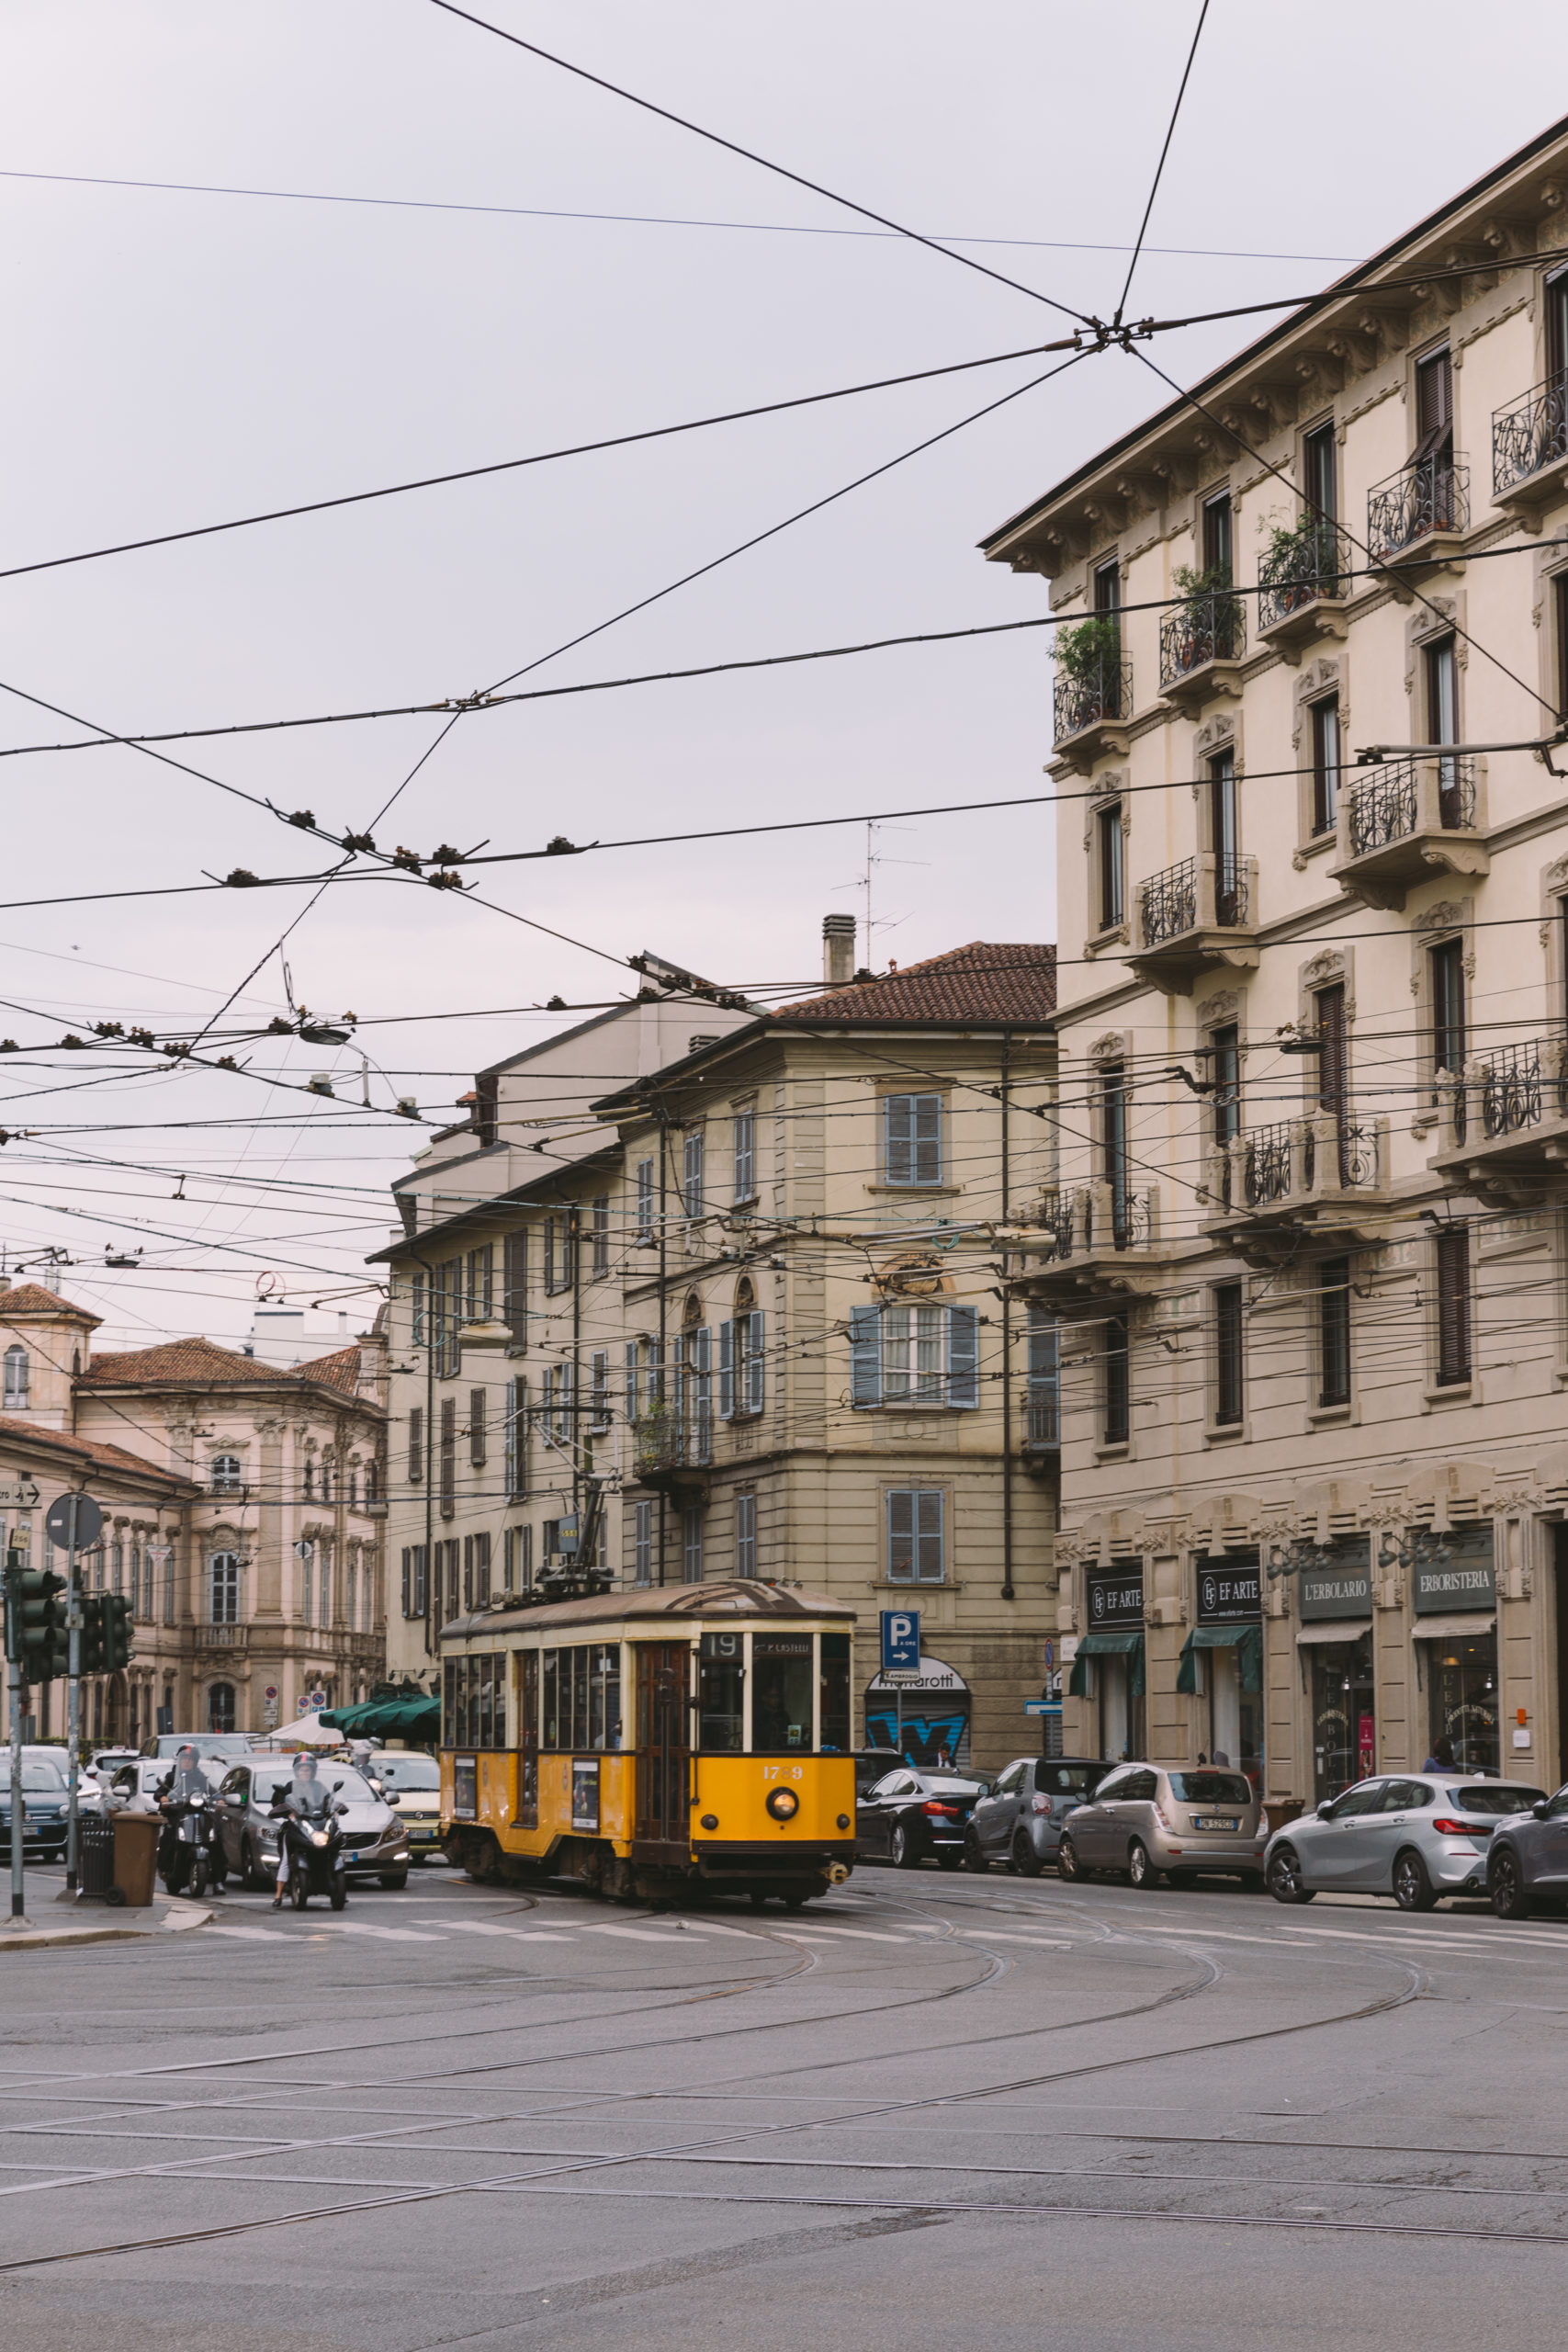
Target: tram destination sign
(1116,1601)
(1464,1581)
(1228,1589)
(1342,1586)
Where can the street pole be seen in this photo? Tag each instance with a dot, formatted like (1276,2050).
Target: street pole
(13,1685)
(72,1703)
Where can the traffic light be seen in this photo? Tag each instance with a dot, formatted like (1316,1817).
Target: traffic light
(117,1632)
(38,1611)
(95,1656)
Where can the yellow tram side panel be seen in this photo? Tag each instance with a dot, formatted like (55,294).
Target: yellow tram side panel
(499,1776)
(734,1792)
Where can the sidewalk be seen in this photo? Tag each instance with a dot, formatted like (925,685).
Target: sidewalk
(94,1923)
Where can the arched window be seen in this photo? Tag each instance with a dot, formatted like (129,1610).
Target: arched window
(224,1588)
(220,1707)
(15,1379)
(225,1474)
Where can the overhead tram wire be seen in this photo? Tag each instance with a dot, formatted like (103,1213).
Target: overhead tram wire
(461,706)
(1159,167)
(749,155)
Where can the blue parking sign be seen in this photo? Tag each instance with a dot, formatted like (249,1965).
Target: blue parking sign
(900,1641)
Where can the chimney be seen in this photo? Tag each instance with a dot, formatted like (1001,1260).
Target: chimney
(838,950)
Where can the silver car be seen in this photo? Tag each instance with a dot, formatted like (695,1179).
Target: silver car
(1146,1822)
(1019,1822)
(375,1841)
(1416,1836)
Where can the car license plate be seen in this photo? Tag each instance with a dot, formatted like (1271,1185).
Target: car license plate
(1213,1821)
(416,1833)
(351,1858)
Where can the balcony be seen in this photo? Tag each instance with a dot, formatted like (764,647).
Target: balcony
(1529,451)
(1093,701)
(1041,1434)
(1201,646)
(1270,1185)
(1419,514)
(1411,822)
(1195,917)
(671,1452)
(1102,1237)
(232,1639)
(1302,582)
(1503,1121)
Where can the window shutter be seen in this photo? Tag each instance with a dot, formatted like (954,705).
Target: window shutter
(416,1448)
(928,1138)
(476,1428)
(1453,1307)
(702,1347)
(900,1535)
(962,1356)
(514,1284)
(408,1582)
(928,1539)
(756,1364)
(897,1155)
(727,1371)
(865,1356)
(631,1380)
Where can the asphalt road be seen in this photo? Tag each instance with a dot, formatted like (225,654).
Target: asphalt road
(931,2113)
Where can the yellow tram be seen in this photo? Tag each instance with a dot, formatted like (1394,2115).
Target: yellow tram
(665,1739)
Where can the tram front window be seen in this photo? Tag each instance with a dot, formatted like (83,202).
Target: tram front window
(781,1693)
(721,1694)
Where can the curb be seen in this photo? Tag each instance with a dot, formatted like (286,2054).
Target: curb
(176,1919)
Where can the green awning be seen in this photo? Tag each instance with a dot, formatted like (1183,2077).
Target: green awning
(409,1718)
(1127,1646)
(1246,1639)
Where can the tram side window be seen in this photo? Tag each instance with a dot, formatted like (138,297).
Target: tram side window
(833,1686)
(528,1740)
(781,1693)
(581,1697)
(473,1702)
(721,1694)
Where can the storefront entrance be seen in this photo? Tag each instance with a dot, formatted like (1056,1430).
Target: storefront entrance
(1461,1675)
(1108,1668)
(1344,1716)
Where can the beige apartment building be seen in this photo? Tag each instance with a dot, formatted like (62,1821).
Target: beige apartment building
(1309,1243)
(761,1316)
(243,1516)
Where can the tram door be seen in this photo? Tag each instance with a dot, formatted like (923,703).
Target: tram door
(663,1741)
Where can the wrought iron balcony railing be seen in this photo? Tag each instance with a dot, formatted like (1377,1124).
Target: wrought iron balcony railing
(1211,627)
(1530,434)
(1042,1421)
(1510,1090)
(1391,805)
(1055,1216)
(1308,567)
(667,1442)
(1293,1164)
(1429,496)
(1103,691)
(1208,892)
(1087,1230)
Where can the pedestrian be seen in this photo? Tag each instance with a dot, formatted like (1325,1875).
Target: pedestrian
(1441,1760)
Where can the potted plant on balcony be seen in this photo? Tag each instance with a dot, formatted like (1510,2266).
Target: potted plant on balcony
(1088,673)
(1207,625)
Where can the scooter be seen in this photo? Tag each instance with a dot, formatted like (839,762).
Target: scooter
(313,1843)
(195,1856)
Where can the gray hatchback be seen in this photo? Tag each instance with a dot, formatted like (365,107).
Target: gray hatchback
(1417,1835)
(1020,1823)
(1147,1821)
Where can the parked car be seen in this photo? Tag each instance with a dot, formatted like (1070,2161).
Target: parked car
(46,1803)
(411,1786)
(871,1764)
(1020,1823)
(108,1759)
(1417,1835)
(1147,1823)
(146,1776)
(910,1817)
(375,1840)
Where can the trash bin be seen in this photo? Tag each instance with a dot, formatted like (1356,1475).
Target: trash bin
(96,1834)
(136,1837)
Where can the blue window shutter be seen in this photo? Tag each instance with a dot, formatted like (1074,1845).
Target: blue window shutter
(727,1371)
(897,1156)
(928,1139)
(755,1363)
(865,1356)
(962,1356)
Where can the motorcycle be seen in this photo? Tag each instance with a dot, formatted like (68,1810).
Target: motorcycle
(313,1843)
(192,1857)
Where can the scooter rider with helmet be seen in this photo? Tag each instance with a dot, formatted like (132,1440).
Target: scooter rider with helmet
(307,1797)
(187,1783)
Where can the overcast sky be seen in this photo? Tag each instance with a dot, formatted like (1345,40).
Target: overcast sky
(174,358)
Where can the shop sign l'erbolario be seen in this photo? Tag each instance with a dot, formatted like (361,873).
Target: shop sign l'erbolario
(1343,1585)
(1463,1581)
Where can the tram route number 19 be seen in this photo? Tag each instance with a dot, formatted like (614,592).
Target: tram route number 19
(776,1771)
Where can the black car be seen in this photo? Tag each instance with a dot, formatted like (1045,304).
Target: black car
(1526,1860)
(908,1818)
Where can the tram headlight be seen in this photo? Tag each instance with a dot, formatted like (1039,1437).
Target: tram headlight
(783,1804)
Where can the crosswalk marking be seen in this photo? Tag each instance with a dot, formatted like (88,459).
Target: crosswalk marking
(870,1935)
(518,1935)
